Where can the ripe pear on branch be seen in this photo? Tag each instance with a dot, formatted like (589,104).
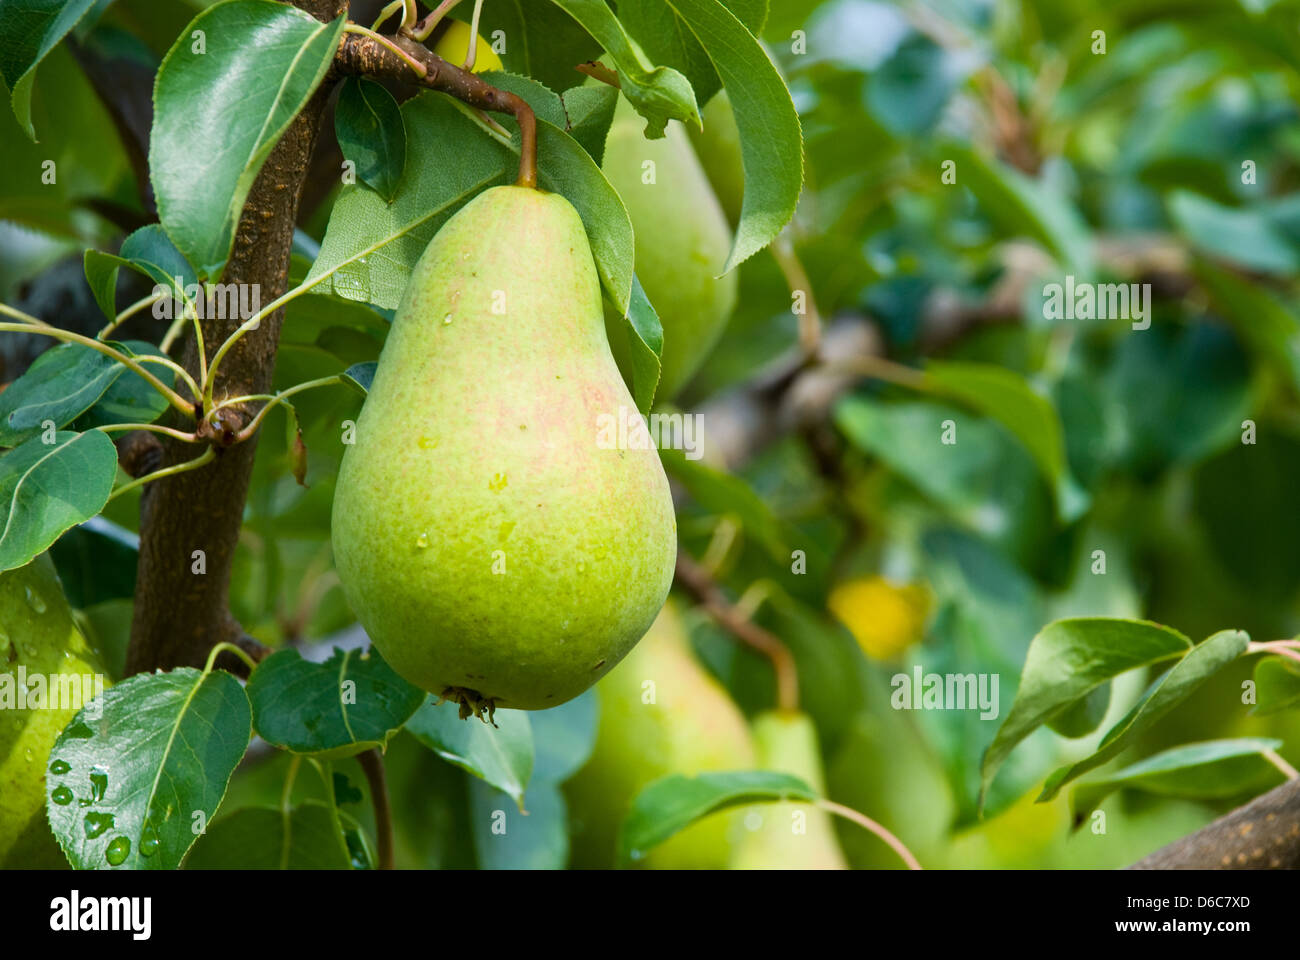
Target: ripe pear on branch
(789,836)
(660,713)
(494,551)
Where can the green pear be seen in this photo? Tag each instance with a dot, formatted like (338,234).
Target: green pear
(493,538)
(38,639)
(718,147)
(682,241)
(789,836)
(660,713)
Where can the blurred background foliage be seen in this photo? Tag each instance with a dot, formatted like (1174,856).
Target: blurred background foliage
(1119,166)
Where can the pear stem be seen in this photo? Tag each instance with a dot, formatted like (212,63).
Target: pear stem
(697,582)
(862,820)
(363,52)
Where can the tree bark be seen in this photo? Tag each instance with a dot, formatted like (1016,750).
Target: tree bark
(1264,834)
(181,613)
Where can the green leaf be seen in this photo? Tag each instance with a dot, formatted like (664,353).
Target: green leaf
(360,376)
(1243,237)
(566,168)
(1084,715)
(130,398)
(148,251)
(1019,205)
(1277,685)
(546,103)
(501,755)
(1032,419)
(62,383)
(1202,662)
(268,838)
(1210,769)
(144,764)
(101,274)
(47,488)
(564,737)
(152,252)
(969,478)
(909,91)
(724,493)
(96,562)
(370,246)
(543,42)
(261,63)
(1066,661)
(505,839)
(672,803)
(1264,322)
(771,144)
(659,94)
(666,38)
(351,703)
(368,124)
(29,29)
(589,112)
(638,335)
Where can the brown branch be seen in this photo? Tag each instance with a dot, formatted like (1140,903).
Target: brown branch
(362,55)
(1264,834)
(696,581)
(373,765)
(139,452)
(181,602)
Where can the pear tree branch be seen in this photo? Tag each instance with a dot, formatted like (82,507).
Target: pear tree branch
(402,57)
(1264,834)
(696,581)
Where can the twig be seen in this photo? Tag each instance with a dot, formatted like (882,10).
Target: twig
(380,39)
(204,458)
(862,820)
(126,314)
(1283,648)
(150,427)
(373,766)
(472,54)
(708,594)
(1273,757)
(810,321)
(363,54)
(427,25)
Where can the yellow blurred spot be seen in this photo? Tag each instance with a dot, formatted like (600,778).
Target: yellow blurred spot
(885,619)
(453,46)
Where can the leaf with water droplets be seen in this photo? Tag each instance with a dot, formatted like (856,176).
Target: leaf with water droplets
(351,703)
(133,772)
